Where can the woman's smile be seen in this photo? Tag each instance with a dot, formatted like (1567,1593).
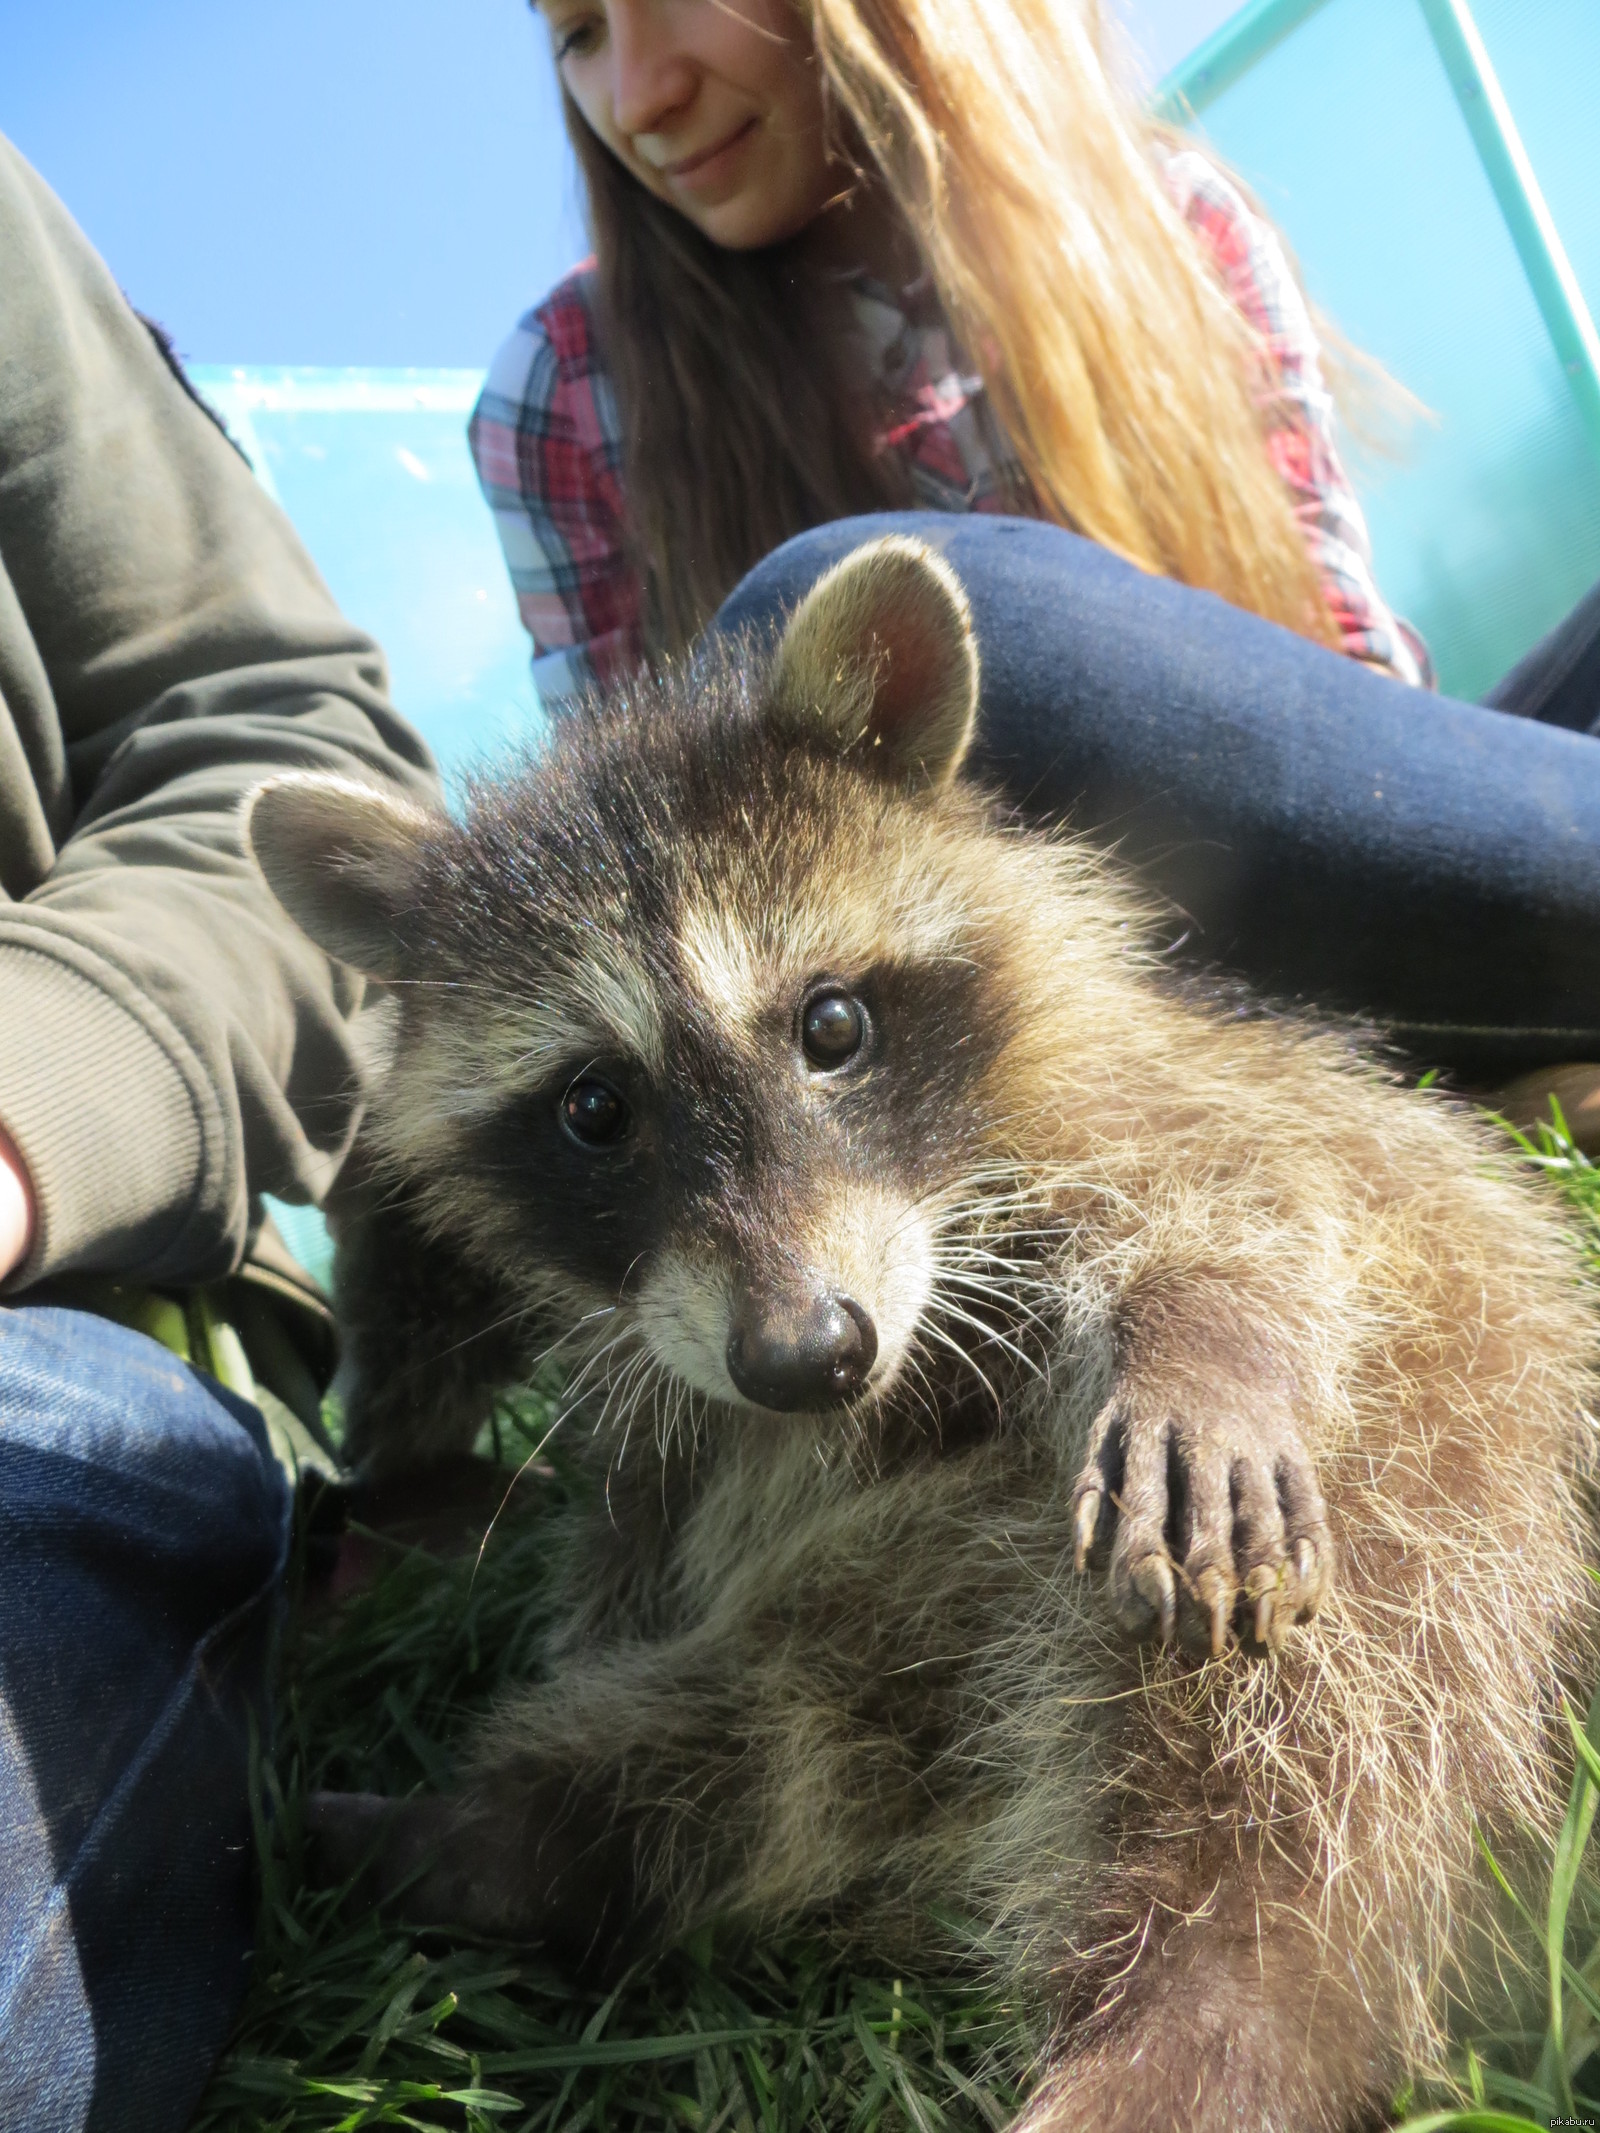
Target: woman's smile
(708,167)
(714,105)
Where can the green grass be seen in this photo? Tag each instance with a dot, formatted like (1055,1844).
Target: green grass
(353,2021)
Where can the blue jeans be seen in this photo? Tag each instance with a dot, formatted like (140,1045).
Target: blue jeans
(1338,839)
(143,1530)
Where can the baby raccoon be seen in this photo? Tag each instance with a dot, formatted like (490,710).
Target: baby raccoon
(915,1242)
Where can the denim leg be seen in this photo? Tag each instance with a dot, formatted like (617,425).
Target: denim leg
(1333,836)
(143,1529)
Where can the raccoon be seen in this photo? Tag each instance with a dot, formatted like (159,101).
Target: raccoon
(1068,1455)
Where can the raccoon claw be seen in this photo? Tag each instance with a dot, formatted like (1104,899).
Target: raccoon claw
(1214,1595)
(1265,1620)
(1204,1528)
(1288,1593)
(1086,1518)
(1152,1582)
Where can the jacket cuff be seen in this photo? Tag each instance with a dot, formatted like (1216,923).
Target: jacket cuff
(102,1117)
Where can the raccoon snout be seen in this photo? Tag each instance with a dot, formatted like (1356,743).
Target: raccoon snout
(801,1353)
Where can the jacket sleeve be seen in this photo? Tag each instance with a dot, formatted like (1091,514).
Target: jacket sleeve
(170,1044)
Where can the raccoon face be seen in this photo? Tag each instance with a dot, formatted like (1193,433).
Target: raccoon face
(775,1259)
(796,1157)
(697,1021)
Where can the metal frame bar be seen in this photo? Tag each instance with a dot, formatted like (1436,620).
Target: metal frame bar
(1247,37)
(1477,91)
(1227,54)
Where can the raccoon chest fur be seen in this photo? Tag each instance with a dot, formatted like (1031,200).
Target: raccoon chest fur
(1067,1455)
(878,1651)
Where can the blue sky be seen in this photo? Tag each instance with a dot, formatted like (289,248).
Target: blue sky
(327,181)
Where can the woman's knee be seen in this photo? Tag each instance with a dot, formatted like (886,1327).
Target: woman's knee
(996,559)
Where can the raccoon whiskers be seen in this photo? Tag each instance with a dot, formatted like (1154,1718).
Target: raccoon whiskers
(488,1531)
(654,1401)
(622,1392)
(924,1395)
(978,1302)
(969,1276)
(932,1331)
(449,985)
(1024,1257)
(685,1404)
(989,1334)
(1025,1297)
(564,1409)
(534,1363)
(993,1203)
(522,1315)
(992,1241)
(578,1387)
(637,1386)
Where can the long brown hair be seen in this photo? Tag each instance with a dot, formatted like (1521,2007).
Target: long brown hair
(1125,377)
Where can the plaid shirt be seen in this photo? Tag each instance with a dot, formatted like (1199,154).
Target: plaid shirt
(547,441)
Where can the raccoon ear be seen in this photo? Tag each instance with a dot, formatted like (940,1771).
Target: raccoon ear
(881,648)
(343,860)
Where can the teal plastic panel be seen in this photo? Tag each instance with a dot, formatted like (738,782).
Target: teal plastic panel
(372,466)
(305,1232)
(1488,528)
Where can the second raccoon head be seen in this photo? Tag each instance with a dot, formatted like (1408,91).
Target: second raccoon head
(692,1025)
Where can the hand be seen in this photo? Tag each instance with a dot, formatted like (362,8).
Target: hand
(16,1208)
(1197,1517)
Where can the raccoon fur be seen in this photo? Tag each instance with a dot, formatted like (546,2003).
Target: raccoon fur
(1067,1456)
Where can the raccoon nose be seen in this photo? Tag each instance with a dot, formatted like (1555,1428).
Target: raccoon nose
(799,1353)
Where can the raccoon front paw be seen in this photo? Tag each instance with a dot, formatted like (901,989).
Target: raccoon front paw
(1203,1524)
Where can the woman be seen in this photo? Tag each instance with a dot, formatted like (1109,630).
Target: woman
(925,253)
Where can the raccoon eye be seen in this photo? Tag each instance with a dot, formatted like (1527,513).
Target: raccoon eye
(832,1027)
(593,1113)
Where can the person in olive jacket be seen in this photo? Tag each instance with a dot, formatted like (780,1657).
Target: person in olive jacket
(170,1048)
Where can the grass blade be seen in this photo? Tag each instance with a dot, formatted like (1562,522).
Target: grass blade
(1582,1801)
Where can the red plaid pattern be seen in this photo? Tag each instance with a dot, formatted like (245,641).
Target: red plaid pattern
(1299,414)
(547,442)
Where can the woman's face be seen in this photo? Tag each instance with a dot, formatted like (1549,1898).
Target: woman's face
(714,105)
